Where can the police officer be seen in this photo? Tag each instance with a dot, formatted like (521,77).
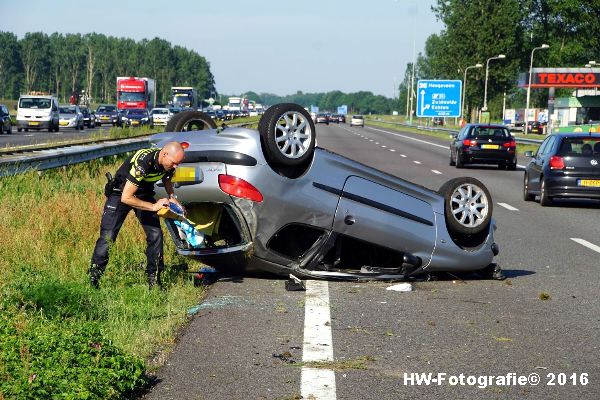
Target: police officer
(133,188)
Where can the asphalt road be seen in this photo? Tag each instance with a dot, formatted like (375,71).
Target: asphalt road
(246,340)
(35,137)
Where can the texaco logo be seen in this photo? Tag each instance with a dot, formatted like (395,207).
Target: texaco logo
(594,162)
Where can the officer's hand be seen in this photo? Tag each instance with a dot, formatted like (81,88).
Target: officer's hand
(161,203)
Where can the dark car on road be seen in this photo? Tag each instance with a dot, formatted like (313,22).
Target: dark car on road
(484,144)
(322,118)
(536,127)
(565,165)
(135,117)
(89,117)
(271,199)
(108,114)
(334,118)
(5,122)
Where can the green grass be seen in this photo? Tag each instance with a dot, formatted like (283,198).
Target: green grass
(49,224)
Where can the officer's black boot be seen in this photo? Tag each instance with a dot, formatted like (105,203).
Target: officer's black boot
(95,273)
(154,280)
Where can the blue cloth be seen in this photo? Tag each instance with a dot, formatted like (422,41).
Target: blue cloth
(193,237)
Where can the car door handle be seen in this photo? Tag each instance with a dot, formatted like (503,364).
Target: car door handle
(349,220)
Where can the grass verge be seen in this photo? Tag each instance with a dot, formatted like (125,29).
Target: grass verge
(60,338)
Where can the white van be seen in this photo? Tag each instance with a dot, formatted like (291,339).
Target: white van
(37,111)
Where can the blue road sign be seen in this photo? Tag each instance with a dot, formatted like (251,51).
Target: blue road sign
(439,98)
(314,109)
(342,110)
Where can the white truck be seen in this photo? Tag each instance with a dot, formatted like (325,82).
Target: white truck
(184,97)
(38,110)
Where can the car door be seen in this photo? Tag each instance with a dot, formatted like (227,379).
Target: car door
(536,166)
(455,142)
(387,217)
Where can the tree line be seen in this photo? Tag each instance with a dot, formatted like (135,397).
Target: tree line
(475,30)
(63,64)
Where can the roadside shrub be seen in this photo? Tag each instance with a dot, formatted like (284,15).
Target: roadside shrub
(42,358)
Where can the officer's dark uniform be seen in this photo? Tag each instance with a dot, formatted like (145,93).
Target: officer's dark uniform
(143,170)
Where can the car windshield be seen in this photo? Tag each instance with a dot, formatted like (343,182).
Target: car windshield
(129,96)
(136,112)
(579,147)
(357,116)
(106,109)
(68,110)
(160,112)
(498,132)
(34,103)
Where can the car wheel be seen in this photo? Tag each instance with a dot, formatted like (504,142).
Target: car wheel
(502,165)
(459,161)
(467,205)
(511,166)
(545,200)
(9,129)
(289,136)
(190,121)
(19,129)
(451,162)
(527,196)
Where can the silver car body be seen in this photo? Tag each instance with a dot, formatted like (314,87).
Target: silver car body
(335,197)
(70,116)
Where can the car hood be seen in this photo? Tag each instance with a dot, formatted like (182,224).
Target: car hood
(67,116)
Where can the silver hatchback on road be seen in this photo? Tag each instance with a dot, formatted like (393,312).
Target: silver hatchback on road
(271,199)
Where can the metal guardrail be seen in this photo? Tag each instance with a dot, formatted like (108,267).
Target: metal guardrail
(431,128)
(53,157)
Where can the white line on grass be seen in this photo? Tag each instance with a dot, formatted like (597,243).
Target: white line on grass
(587,244)
(317,383)
(508,207)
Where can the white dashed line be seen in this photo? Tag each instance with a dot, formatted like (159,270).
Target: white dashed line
(317,383)
(587,244)
(376,142)
(508,207)
(411,138)
(392,150)
(383,146)
(402,155)
(370,140)
(435,171)
(417,162)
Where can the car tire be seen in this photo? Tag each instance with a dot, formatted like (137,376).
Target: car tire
(451,162)
(289,136)
(190,121)
(527,195)
(459,161)
(545,200)
(511,166)
(459,193)
(19,129)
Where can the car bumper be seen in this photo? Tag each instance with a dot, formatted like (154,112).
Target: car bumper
(488,157)
(67,124)
(568,186)
(108,120)
(33,124)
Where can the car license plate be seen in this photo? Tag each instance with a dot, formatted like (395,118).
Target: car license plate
(490,146)
(589,182)
(63,123)
(105,118)
(135,122)
(184,174)
(33,123)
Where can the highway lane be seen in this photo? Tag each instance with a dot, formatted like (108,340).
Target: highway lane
(474,327)
(34,137)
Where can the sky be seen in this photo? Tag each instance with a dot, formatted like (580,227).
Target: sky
(265,46)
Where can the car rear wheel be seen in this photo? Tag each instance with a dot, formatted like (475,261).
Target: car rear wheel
(467,205)
(451,162)
(527,196)
(459,161)
(190,121)
(511,166)
(288,136)
(545,200)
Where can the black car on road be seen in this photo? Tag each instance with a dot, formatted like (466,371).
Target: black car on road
(108,114)
(135,117)
(484,144)
(565,165)
(89,117)
(5,122)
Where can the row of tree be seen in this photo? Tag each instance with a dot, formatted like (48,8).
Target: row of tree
(64,64)
(475,30)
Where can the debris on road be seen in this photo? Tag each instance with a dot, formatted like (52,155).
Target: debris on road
(401,287)
(294,284)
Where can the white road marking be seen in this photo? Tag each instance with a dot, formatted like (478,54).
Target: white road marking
(402,155)
(435,171)
(417,162)
(392,150)
(376,142)
(508,207)
(411,138)
(383,146)
(318,383)
(587,244)
(370,140)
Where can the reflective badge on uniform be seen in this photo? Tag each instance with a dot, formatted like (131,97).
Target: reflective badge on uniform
(139,172)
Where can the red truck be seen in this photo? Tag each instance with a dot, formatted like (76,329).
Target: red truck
(135,92)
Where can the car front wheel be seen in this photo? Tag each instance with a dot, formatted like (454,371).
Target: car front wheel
(467,205)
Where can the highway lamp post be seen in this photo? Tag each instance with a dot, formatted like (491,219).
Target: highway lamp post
(544,46)
(487,68)
(462,111)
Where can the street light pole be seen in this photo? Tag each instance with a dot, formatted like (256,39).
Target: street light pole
(487,67)
(544,46)
(462,112)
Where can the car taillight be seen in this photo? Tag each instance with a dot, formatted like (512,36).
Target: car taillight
(511,145)
(239,188)
(470,142)
(557,162)
(185,145)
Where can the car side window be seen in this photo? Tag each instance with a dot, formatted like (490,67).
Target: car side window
(542,147)
(546,146)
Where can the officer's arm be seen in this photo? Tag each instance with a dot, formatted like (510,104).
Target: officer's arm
(168,186)
(128,197)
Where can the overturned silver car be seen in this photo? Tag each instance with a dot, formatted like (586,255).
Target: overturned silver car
(271,199)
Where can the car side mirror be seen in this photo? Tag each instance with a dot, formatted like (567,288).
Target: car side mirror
(529,153)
